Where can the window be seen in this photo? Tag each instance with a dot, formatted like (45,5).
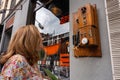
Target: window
(1,29)
(7,38)
(13,2)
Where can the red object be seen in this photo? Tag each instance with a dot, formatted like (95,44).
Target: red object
(64,59)
(9,22)
(64,19)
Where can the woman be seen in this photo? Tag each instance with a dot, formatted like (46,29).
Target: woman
(22,55)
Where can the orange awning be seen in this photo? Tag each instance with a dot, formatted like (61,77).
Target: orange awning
(52,49)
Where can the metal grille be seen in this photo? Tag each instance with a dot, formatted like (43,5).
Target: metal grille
(113,13)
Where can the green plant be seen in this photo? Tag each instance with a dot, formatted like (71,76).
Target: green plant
(50,75)
(42,54)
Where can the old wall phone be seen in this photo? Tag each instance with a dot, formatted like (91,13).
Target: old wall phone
(85,32)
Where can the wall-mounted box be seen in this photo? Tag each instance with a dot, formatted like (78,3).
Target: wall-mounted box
(86,38)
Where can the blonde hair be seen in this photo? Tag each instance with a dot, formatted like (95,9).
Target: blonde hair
(27,42)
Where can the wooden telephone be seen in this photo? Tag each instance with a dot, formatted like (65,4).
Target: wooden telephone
(85,32)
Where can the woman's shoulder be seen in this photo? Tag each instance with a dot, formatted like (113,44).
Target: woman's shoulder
(15,61)
(16,67)
(17,57)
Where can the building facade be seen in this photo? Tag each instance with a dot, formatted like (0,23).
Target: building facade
(6,4)
(11,19)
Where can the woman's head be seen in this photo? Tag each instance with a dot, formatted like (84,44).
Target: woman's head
(27,42)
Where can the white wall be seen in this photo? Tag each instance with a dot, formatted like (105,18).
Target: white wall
(91,68)
(21,16)
(2,6)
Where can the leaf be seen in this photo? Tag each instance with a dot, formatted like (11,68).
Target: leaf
(49,74)
(42,54)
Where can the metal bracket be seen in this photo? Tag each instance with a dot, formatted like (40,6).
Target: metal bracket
(4,10)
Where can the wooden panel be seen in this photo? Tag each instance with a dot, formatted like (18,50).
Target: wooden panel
(86,16)
(90,33)
(93,47)
(75,28)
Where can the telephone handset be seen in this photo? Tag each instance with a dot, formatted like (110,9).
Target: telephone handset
(76,39)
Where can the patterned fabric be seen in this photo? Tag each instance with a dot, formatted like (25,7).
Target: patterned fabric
(17,68)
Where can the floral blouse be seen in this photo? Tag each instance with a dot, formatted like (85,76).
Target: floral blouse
(17,68)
